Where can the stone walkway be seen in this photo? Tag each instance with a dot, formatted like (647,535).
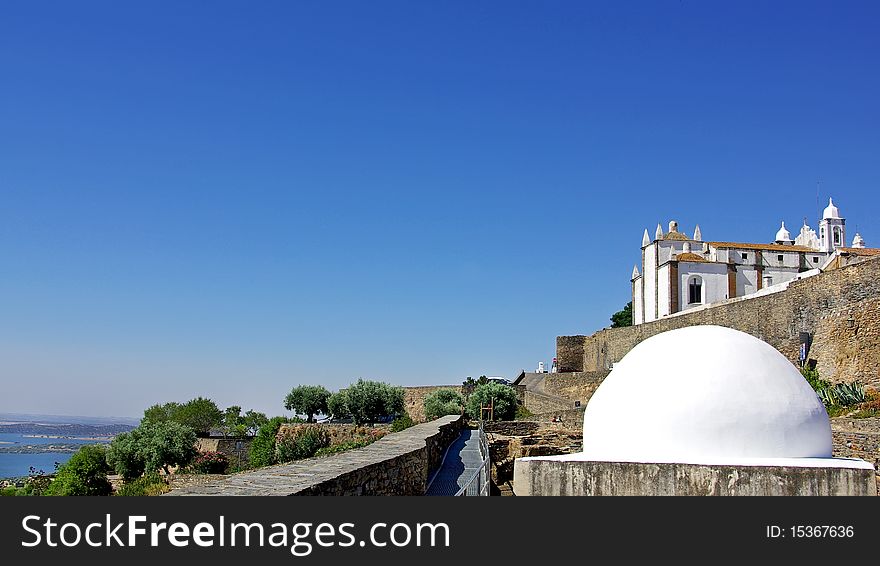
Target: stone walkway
(381,458)
(462,460)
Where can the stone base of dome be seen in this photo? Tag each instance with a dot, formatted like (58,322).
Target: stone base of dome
(573,476)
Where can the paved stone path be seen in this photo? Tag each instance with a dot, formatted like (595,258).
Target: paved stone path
(462,460)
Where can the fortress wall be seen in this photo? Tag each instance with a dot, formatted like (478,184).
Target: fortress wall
(841,308)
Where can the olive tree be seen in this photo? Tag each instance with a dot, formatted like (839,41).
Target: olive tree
(307,400)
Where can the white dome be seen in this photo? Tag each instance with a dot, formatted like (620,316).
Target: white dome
(701,394)
(830,211)
(783,235)
(858,241)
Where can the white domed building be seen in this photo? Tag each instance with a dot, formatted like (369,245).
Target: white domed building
(703,410)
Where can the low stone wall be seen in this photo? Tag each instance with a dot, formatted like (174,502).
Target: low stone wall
(858,438)
(509,440)
(540,476)
(339,433)
(227,447)
(398,464)
(570,418)
(414,399)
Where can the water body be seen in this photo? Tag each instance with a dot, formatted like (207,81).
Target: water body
(17,465)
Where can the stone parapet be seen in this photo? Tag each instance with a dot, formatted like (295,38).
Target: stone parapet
(398,464)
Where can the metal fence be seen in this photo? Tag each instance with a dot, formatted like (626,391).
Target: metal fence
(478,483)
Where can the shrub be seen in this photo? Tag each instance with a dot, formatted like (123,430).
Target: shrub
(263,446)
(302,442)
(210,463)
(836,397)
(502,397)
(198,414)
(150,484)
(369,401)
(443,402)
(8,491)
(84,474)
(522,413)
(125,455)
(401,423)
(36,483)
(150,447)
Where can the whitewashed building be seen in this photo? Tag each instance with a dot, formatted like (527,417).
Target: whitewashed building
(679,272)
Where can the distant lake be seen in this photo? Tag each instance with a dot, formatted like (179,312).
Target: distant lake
(16,465)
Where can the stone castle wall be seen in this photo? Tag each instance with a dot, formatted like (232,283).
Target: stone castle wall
(414,399)
(576,386)
(840,308)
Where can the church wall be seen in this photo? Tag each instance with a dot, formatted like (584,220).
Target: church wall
(649,273)
(637,301)
(714,276)
(841,308)
(663,290)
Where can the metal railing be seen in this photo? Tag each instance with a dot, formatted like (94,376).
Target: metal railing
(478,483)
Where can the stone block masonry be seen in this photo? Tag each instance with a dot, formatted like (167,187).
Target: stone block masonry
(398,464)
(414,399)
(235,449)
(840,308)
(547,476)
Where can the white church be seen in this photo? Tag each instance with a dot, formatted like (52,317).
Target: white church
(680,273)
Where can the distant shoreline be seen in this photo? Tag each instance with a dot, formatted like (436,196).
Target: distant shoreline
(95,438)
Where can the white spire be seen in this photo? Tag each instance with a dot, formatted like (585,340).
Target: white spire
(698,236)
(783,236)
(858,242)
(646,240)
(658,234)
(635,274)
(830,211)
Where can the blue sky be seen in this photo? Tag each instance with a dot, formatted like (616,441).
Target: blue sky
(227,200)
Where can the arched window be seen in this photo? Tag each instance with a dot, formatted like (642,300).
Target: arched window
(695,290)
(837,236)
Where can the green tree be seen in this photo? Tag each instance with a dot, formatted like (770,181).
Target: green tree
(307,400)
(199,414)
(84,474)
(125,455)
(443,402)
(150,447)
(232,423)
(501,397)
(263,446)
(337,405)
(162,413)
(253,420)
(623,317)
(368,401)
